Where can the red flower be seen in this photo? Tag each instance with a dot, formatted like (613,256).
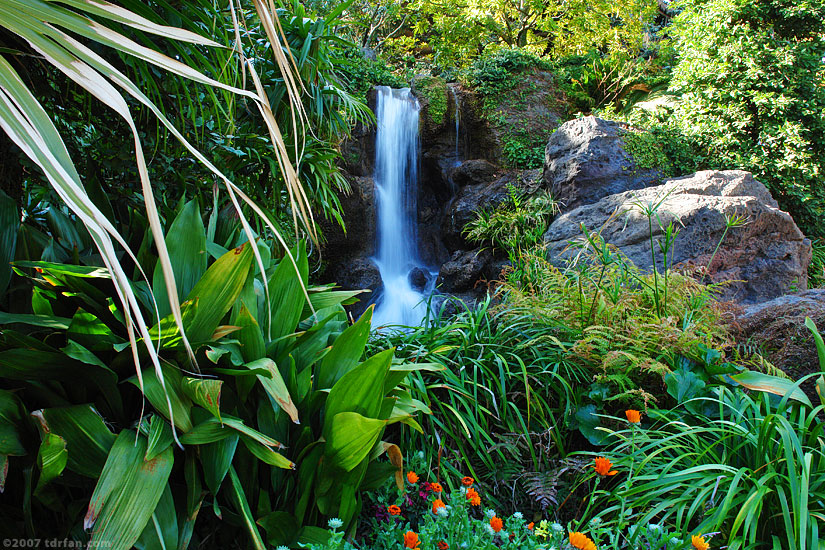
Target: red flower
(412,477)
(467,481)
(442,545)
(394,510)
(437,504)
(436,487)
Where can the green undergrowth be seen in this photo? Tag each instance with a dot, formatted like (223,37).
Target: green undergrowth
(434,89)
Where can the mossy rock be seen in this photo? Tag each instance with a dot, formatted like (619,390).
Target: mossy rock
(433,96)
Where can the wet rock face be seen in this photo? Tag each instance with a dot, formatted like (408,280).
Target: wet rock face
(763,259)
(586,160)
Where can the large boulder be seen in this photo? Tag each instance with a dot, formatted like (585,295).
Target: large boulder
(763,259)
(587,159)
(463,271)
(777,329)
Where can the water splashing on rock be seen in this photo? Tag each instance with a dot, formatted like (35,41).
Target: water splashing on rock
(406,281)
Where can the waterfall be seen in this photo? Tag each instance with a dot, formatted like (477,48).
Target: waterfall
(396,190)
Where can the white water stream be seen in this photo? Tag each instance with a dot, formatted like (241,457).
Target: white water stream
(396,190)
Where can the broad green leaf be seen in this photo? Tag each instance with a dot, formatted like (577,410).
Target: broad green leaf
(206,392)
(161,532)
(12,415)
(216,458)
(186,244)
(345,353)
(267,455)
(351,438)
(250,337)
(286,296)
(361,390)
(771,384)
(217,290)
(127,492)
(51,459)
(154,392)
(329,298)
(275,387)
(588,424)
(160,437)
(48,321)
(88,440)
(9,223)
(683,385)
(400,371)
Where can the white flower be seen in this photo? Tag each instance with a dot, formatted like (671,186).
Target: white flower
(595,522)
(489,512)
(335,523)
(489,528)
(443,512)
(463,490)
(282,548)
(675,541)
(518,515)
(557,527)
(654,527)
(421,455)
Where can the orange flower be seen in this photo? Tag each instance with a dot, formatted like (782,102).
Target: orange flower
(602,466)
(473,497)
(634,417)
(412,477)
(467,481)
(531,525)
(699,543)
(437,504)
(394,510)
(581,541)
(411,540)
(436,487)
(442,545)
(496,523)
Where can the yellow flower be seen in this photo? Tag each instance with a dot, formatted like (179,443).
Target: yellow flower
(699,543)
(634,417)
(581,541)
(602,466)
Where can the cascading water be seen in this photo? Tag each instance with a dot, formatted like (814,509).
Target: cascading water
(396,189)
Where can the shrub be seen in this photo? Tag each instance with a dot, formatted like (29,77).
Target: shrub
(751,77)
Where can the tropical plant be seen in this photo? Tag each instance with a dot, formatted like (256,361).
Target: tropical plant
(278,370)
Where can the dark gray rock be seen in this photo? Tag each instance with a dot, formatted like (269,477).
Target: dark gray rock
(474,172)
(463,270)
(761,260)
(419,278)
(585,160)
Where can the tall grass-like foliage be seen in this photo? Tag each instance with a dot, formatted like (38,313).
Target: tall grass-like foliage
(753,472)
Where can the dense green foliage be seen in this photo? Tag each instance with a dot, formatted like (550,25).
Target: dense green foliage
(752,87)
